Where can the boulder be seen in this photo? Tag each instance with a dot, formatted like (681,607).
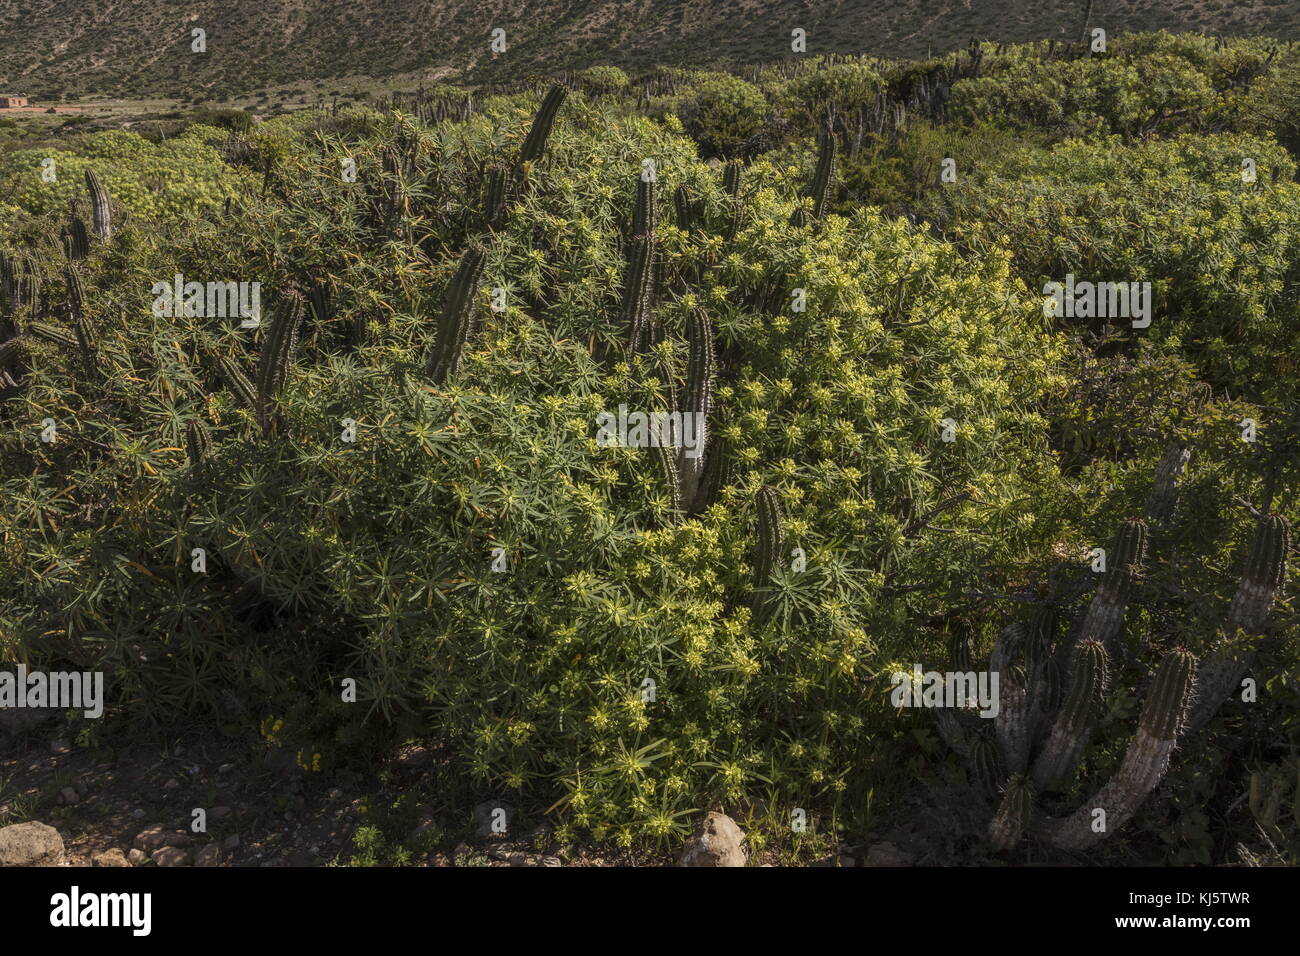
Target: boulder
(30,844)
(717,842)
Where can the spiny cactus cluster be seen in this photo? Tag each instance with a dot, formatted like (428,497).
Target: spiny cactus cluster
(101,214)
(1042,734)
(823,183)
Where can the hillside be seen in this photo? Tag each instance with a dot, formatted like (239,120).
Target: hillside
(50,48)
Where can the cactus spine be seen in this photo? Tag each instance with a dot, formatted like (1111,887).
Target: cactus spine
(699,398)
(458,316)
(101,215)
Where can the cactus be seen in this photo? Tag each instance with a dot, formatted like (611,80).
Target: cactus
(638,288)
(688,212)
(716,475)
(198,440)
(458,316)
(1124,562)
(101,215)
(494,197)
(731,172)
(319,301)
(986,766)
(1012,725)
(53,334)
(666,459)
(959,650)
(535,143)
(76,240)
(1261,580)
(1145,761)
(77,317)
(239,383)
(770,546)
(1008,826)
(644,212)
(277,355)
(823,183)
(698,399)
(1076,720)
(1160,500)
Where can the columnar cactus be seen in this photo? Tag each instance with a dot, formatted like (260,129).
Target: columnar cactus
(76,239)
(456,323)
(1009,824)
(666,460)
(53,334)
(76,303)
(277,355)
(687,211)
(638,291)
(494,197)
(1074,725)
(698,399)
(1160,500)
(823,183)
(644,212)
(768,551)
(198,440)
(1261,580)
(239,382)
(101,215)
(535,143)
(1145,762)
(1124,560)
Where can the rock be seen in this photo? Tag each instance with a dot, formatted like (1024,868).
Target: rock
(155,838)
(492,818)
(887,854)
(30,844)
(551,861)
(136,857)
(171,784)
(231,842)
(225,768)
(717,842)
(210,855)
(60,747)
(171,856)
(69,796)
(113,857)
(415,758)
(219,813)
(137,814)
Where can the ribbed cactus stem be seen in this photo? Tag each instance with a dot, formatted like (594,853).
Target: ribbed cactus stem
(198,440)
(823,183)
(238,381)
(1261,582)
(666,460)
(638,290)
(78,240)
(277,355)
(1164,490)
(644,212)
(960,651)
(77,317)
(456,323)
(685,208)
(1124,561)
(53,334)
(1145,762)
(494,196)
(1008,826)
(535,143)
(1013,725)
(1075,722)
(698,400)
(717,474)
(986,768)
(101,214)
(731,178)
(771,542)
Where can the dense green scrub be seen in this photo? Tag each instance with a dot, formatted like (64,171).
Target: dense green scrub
(889,394)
